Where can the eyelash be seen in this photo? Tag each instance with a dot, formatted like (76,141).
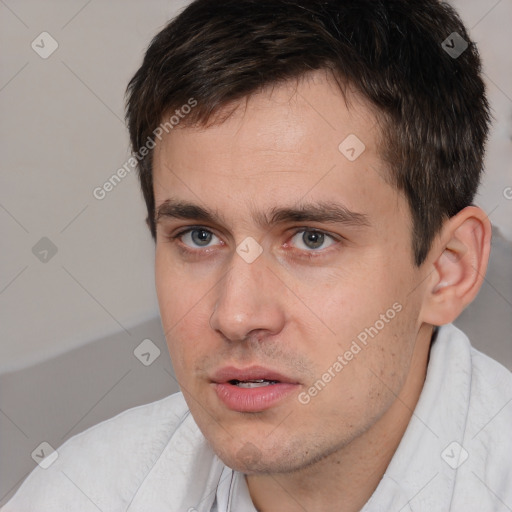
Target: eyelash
(305,254)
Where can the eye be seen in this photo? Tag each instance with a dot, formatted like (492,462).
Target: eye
(308,240)
(312,240)
(196,237)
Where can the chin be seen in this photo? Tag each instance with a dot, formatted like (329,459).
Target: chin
(254,457)
(251,461)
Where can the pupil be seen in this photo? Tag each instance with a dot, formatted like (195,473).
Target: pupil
(203,238)
(313,239)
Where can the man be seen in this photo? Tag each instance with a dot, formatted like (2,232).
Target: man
(309,169)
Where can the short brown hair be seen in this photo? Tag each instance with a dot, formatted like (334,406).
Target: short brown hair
(433,101)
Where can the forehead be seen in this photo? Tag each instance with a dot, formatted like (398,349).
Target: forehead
(300,140)
(294,121)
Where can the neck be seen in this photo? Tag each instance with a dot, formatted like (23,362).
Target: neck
(346,479)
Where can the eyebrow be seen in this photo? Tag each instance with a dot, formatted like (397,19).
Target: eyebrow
(327,212)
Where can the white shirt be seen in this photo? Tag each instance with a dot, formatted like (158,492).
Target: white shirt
(456,454)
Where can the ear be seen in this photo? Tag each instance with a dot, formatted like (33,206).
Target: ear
(458,262)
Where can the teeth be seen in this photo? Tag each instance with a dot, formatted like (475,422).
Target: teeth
(258,383)
(253,384)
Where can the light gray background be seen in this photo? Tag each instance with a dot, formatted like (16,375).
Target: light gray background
(69,326)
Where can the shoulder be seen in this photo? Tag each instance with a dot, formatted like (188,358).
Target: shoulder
(490,383)
(487,439)
(490,407)
(104,465)
(491,392)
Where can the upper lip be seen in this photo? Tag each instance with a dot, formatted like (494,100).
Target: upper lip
(229,373)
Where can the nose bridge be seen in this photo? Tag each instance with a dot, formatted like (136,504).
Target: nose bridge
(247,300)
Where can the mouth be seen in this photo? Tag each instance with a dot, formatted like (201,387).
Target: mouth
(252,389)
(249,384)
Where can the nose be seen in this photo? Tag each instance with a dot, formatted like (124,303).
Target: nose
(248,302)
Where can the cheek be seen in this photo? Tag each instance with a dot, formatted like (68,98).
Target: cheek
(348,301)
(371,319)
(178,290)
(370,378)
(182,311)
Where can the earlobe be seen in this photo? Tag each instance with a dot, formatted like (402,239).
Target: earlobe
(458,271)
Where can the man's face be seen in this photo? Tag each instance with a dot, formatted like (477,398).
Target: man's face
(289,340)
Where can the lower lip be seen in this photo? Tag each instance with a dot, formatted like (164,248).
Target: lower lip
(253,399)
